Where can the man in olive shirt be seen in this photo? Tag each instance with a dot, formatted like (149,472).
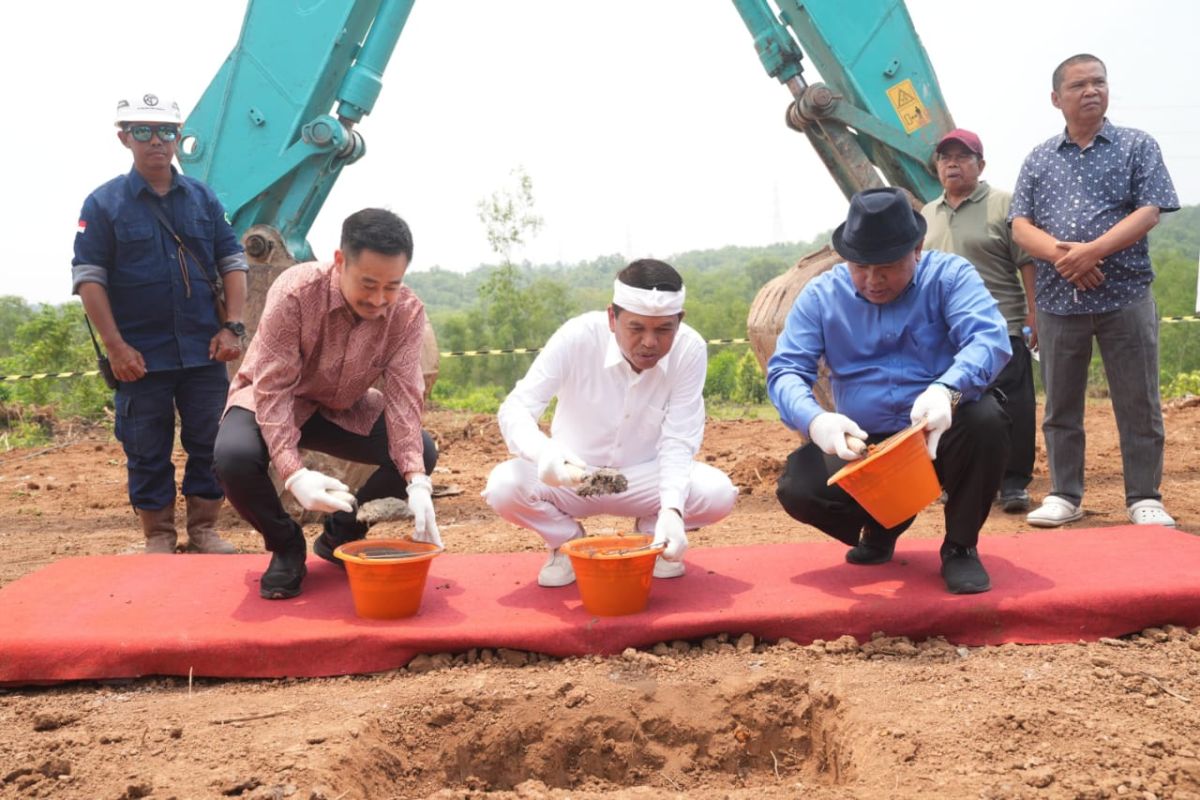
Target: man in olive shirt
(970,219)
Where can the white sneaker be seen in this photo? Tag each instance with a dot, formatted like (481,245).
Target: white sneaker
(557,571)
(1053,512)
(1150,512)
(668,569)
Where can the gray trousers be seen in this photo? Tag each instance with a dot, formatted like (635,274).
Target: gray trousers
(1128,340)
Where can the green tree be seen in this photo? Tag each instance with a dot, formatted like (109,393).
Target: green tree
(54,339)
(13,313)
(750,385)
(514,307)
(508,216)
(721,377)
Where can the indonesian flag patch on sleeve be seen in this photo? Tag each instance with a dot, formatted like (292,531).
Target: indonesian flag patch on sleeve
(81,227)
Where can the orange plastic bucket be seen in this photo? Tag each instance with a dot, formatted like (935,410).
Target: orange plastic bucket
(387,576)
(895,481)
(612,582)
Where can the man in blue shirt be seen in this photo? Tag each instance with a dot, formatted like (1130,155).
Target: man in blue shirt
(151,295)
(906,335)
(1083,204)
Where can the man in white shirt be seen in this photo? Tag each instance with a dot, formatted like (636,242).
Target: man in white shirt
(630,397)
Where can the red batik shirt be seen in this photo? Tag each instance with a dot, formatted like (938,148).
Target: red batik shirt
(312,354)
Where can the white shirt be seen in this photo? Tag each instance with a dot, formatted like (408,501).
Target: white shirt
(607,414)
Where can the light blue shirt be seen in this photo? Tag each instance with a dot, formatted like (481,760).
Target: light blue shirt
(944,327)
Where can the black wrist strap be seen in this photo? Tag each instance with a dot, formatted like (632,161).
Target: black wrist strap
(92,333)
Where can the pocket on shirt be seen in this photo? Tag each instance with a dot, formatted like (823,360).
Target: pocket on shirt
(1114,187)
(650,422)
(198,234)
(136,254)
(921,342)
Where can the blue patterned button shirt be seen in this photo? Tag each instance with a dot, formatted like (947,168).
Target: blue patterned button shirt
(1078,195)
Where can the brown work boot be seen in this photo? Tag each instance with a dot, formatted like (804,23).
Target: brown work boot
(202,527)
(159,526)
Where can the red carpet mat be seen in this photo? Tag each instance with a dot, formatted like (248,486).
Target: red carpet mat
(126,616)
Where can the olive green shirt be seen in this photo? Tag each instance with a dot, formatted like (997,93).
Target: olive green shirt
(978,231)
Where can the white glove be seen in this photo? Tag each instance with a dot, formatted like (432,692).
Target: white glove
(420,501)
(933,405)
(558,466)
(312,489)
(669,530)
(828,431)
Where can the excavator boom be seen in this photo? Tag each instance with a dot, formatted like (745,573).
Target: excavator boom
(265,135)
(879,112)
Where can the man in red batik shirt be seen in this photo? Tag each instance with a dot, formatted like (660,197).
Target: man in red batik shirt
(328,332)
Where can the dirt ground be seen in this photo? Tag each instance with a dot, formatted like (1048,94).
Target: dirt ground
(727,717)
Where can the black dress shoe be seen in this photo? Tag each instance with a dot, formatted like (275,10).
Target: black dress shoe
(284,574)
(337,532)
(874,547)
(1017,502)
(324,548)
(962,570)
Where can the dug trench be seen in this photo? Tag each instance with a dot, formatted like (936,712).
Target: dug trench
(737,732)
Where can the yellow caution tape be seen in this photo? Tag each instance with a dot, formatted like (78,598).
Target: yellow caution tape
(506,351)
(521,350)
(38,376)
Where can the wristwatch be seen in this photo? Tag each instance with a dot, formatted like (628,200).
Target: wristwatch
(237,328)
(955,394)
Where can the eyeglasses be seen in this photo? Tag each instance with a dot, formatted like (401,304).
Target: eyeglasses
(144,133)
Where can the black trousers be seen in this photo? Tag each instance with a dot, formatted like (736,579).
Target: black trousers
(1016,381)
(241,459)
(971,460)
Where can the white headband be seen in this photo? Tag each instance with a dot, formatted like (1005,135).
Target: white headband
(648,302)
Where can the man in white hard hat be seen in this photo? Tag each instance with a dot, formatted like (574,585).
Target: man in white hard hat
(629,385)
(154,255)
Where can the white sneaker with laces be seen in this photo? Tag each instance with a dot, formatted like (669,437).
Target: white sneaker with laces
(1053,512)
(1150,512)
(557,571)
(668,569)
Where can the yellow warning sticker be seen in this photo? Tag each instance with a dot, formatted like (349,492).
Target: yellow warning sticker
(908,105)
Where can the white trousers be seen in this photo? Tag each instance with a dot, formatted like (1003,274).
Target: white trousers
(515,493)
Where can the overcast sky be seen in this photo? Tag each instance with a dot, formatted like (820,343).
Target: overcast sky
(647,126)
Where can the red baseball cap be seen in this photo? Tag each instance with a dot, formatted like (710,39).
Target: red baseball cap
(965,138)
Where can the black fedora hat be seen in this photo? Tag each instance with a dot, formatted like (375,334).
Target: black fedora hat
(880,227)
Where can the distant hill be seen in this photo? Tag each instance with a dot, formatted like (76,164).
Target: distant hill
(741,271)
(444,290)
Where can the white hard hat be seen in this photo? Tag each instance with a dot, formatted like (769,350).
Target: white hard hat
(148,108)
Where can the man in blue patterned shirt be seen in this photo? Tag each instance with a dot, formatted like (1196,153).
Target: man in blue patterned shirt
(1083,204)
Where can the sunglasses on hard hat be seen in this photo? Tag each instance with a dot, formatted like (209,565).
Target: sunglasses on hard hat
(144,133)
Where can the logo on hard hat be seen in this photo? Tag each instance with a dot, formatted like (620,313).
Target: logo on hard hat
(150,100)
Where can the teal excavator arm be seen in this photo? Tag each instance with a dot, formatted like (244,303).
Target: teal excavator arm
(263,135)
(879,109)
